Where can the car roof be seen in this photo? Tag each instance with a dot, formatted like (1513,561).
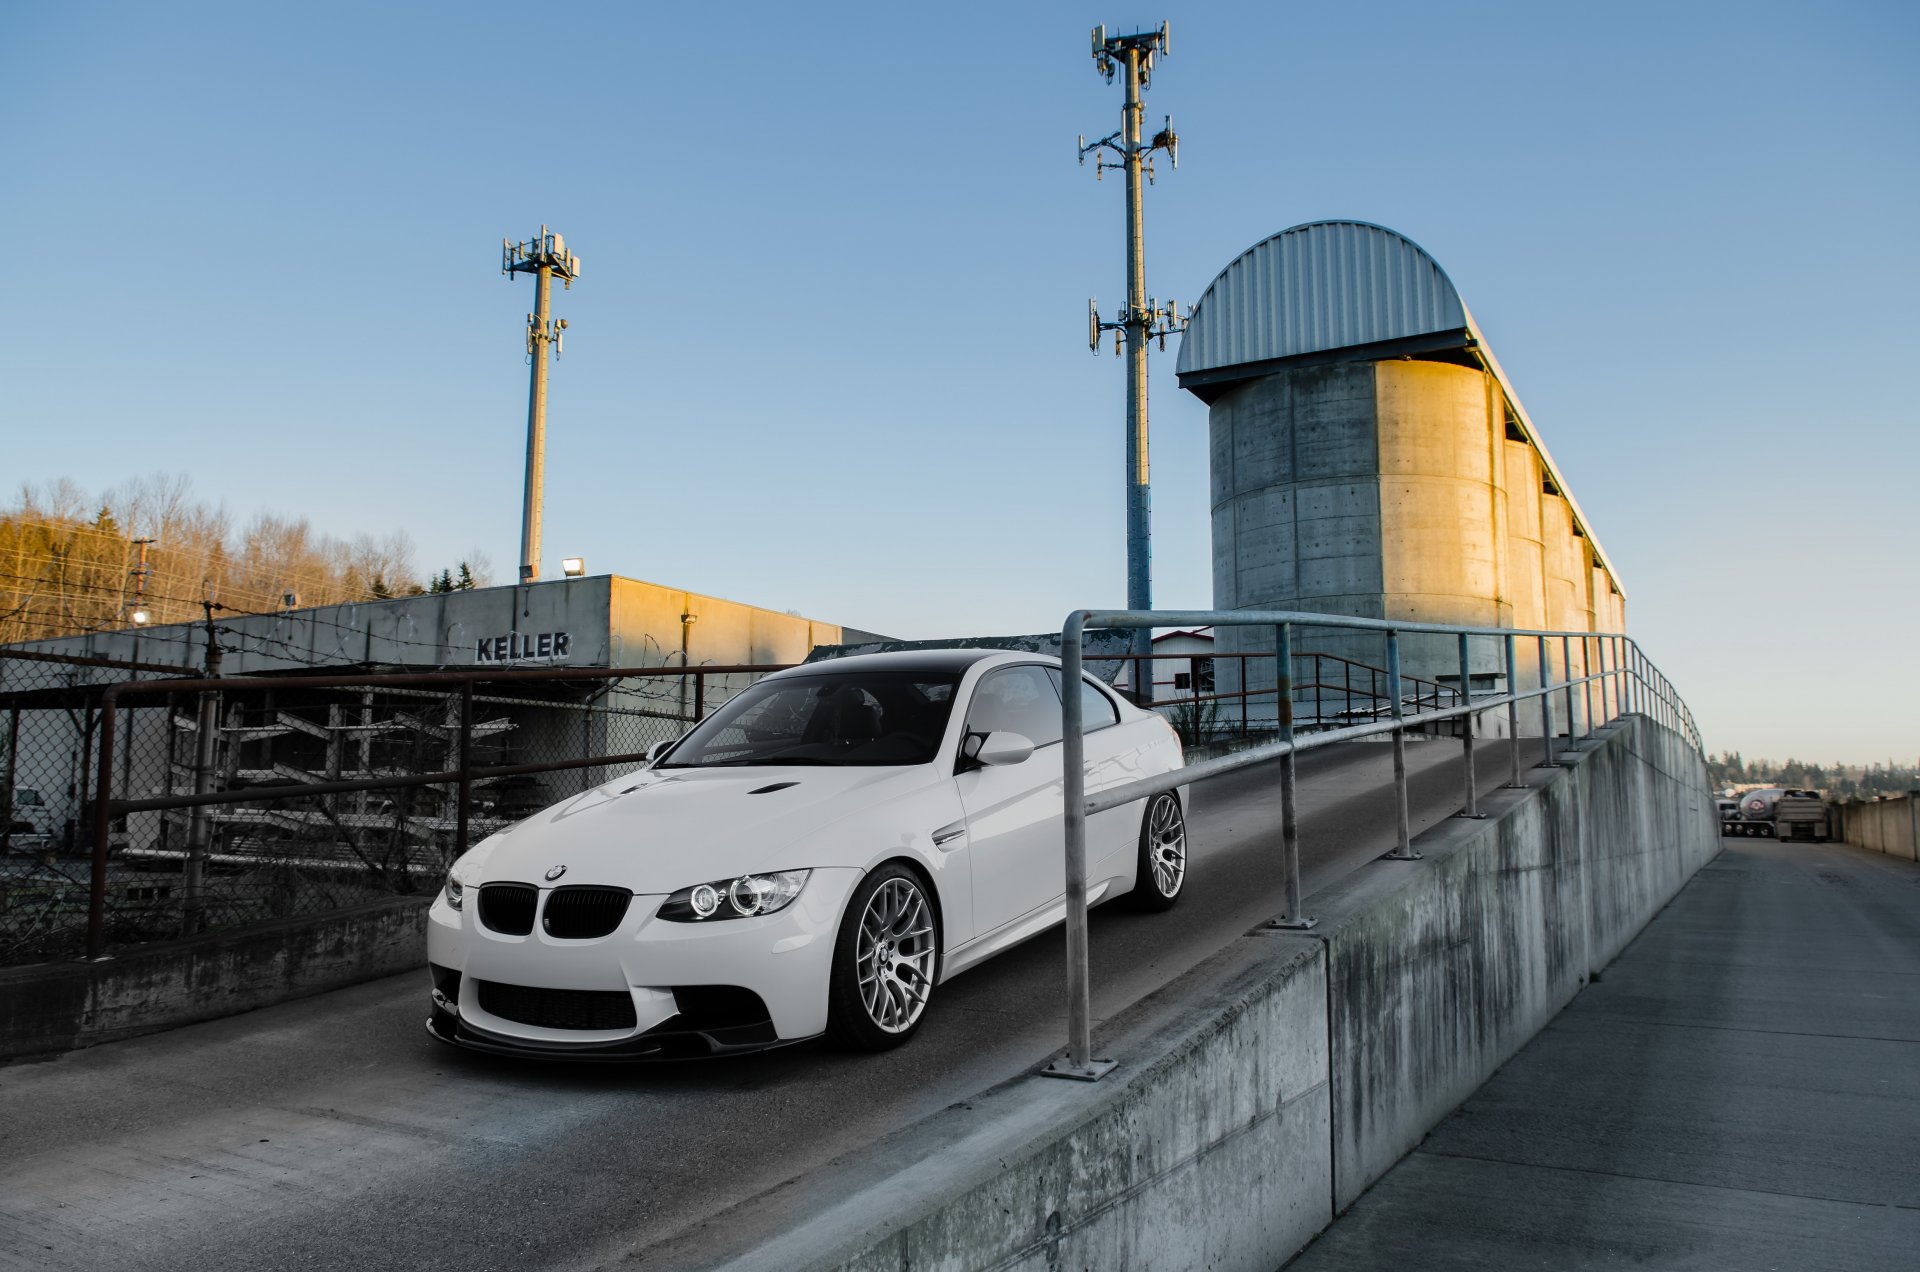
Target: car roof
(948,661)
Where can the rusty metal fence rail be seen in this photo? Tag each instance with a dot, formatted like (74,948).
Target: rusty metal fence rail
(175,806)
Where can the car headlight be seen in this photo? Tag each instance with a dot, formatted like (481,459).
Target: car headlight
(456,892)
(738,898)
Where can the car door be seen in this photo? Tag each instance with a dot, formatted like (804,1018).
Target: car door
(1014,829)
(1113,758)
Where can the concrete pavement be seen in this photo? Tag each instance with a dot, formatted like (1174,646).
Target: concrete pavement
(1741,1089)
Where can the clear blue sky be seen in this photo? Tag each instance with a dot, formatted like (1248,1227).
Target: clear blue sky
(828,351)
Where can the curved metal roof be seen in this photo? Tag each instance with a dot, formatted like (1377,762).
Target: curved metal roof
(1323,287)
(1320,286)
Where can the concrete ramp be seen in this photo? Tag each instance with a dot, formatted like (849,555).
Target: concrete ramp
(1262,1092)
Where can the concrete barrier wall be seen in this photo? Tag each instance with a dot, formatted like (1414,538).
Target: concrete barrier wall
(1883,825)
(58,1006)
(1260,1094)
(1442,969)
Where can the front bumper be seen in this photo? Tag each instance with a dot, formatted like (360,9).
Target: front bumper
(785,959)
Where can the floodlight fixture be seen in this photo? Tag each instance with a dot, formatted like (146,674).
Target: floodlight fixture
(573,567)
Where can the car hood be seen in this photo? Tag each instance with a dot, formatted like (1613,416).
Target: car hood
(661,830)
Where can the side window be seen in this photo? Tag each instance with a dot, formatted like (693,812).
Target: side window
(1096,709)
(1016,700)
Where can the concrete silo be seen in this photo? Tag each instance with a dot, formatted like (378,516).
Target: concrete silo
(1369,458)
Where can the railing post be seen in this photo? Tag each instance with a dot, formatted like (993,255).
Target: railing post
(1513,715)
(1291,916)
(200,820)
(1466,732)
(1319,702)
(1243,695)
(462,812)
(1078,1063)
(1586,686)
(6,791)
(102,828)
(1546,703)
(1625,658)
(699,696)
(1607,713)
(1566,670)
(1403,851)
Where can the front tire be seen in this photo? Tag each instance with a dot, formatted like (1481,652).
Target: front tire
(884,961)
(1161,870)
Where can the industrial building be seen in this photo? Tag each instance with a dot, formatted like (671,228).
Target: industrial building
(1370,458)
(586,622)
(598,621)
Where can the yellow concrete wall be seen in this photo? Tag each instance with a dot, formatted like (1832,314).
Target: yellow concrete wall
(647,629)
(1603,598)
(1565,560)
(1526,563)
(1440,554)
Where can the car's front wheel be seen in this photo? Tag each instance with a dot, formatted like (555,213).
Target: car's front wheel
(884,961)
(1162,866)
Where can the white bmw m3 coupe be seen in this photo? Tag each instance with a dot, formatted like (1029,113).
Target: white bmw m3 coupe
(816,857)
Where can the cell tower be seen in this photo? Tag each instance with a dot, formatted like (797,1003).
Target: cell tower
(546,258)
(1140,319)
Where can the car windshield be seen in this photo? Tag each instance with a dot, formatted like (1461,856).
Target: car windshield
(844,718)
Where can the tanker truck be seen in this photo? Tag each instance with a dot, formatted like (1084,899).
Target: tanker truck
(1780,813)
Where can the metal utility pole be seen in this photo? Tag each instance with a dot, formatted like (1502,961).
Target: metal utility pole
(1140,319)
(140,572)
(546,258)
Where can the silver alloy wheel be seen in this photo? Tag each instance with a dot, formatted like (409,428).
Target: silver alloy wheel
(894,955)
(1167,845)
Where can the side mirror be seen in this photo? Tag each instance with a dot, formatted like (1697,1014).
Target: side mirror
(998,748)
(659,749)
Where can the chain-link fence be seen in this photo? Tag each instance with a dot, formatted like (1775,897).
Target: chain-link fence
(142,804)
(50,711)
(235,802)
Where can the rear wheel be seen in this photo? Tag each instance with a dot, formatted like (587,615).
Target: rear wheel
(1161,870)
(884,961)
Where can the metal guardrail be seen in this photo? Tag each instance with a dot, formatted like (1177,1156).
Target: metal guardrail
(1635,683)
(1359,690)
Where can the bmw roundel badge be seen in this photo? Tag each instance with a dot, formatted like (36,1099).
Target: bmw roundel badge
(555,873)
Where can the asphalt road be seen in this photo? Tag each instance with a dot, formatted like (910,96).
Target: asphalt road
(332,1132)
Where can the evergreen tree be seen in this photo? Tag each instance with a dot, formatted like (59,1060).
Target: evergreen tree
(465,582)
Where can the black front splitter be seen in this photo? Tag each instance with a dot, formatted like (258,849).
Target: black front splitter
(679,1044)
